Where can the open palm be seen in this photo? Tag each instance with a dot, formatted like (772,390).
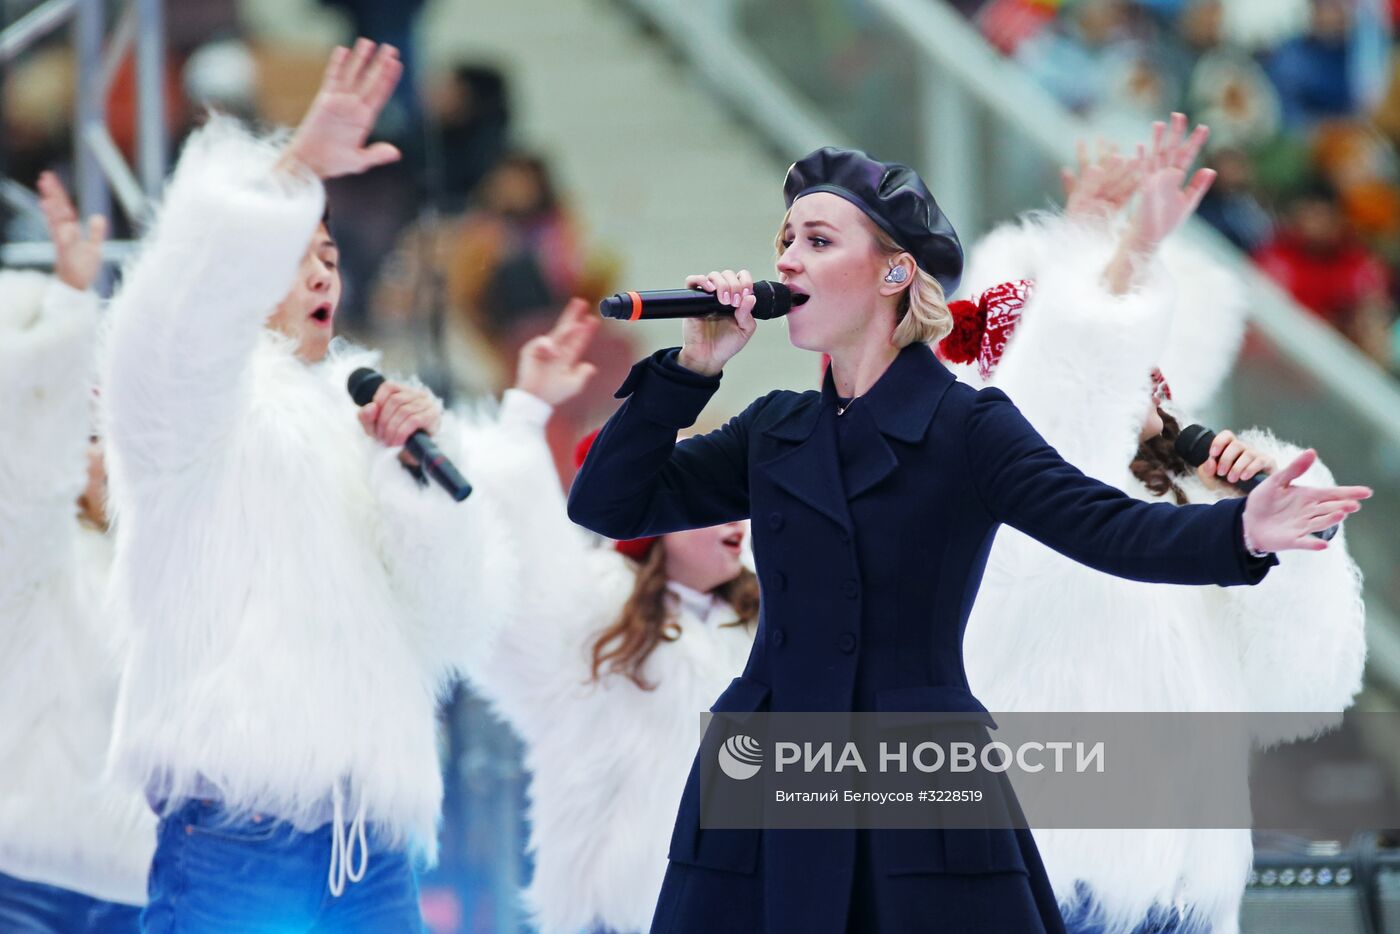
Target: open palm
(1280,515)
(1165,203)
(551,366)
(78,249)
(330,140)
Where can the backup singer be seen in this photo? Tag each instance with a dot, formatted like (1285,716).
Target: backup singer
(1296,642)
(297,601)
(74,848)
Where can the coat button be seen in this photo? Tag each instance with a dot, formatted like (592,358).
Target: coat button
(847,642)
(778,638)
(851,589)
(844,537)
(775,521)
(779,581)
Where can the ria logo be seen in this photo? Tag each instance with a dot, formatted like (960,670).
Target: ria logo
(740,757)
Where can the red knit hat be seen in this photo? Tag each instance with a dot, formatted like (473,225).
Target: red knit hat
(982,329)
(637,548)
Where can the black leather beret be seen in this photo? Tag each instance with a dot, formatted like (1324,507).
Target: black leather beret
(891,195)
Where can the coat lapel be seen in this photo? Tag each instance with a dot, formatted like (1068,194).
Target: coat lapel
(900,405)
(809,468)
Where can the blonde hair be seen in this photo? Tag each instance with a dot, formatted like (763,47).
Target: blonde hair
(922,316)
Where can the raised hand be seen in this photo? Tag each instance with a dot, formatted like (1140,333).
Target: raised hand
(1279,516)
(1101,187)
(1172,147)
(551,366)
(710,342)
(1165,204)
(330,141)
(79,252)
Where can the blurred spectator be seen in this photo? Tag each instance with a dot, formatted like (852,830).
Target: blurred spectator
(222,75)
(1313,71)
(471,113)
(38,112)
(493,272)
(1318,258)
(1071,59)
(392,21)
(1231,94)
(516,254)
(1008,23)
(1361,165)
(1262,24)
(1231,207)
(1224,87)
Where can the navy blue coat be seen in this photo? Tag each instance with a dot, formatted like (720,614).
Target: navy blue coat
(869,555)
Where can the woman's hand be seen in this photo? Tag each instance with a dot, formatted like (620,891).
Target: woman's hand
(330,141)
(550,366)
(397,411)
(1164,204)
(78,253)
(1279,516)
(709,343)
(1165,200)
(1097,190)
(1231,462)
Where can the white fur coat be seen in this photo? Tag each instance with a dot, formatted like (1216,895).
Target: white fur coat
(1047,634)
(60,823)
(608,760)
(296,602)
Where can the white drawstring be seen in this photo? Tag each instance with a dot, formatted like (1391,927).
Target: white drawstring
(343,841)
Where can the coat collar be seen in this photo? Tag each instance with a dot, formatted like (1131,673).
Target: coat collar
(900,405)
(901,402)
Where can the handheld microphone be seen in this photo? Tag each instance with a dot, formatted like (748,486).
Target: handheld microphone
(363,384)
(774,301)
(1193,444)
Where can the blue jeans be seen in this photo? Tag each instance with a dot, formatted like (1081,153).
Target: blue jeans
(35,908)
(222,875)
(1084,918)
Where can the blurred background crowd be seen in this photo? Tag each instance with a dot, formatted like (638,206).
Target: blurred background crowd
(1303,102)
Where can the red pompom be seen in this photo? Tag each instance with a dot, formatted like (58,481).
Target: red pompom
(964,342)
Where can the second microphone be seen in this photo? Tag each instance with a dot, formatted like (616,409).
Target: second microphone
(773,300)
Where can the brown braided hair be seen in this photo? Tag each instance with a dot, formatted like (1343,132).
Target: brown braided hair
(646,622)
(1158,465)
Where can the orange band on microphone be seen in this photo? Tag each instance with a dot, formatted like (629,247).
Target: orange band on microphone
(636,306)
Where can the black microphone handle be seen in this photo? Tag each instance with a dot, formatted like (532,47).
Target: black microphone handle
(1193,444)
(436,465)
(362,385)
(773,301)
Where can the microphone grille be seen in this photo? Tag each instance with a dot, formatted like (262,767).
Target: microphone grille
(1193,444)
(773,300)
(363,384)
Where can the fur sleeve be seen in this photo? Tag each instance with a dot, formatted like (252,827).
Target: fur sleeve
(223,252)
(502,580)
(1207,323)
(445,557)
(1301,630)
(1079,364)
(568,589)
(47,337)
